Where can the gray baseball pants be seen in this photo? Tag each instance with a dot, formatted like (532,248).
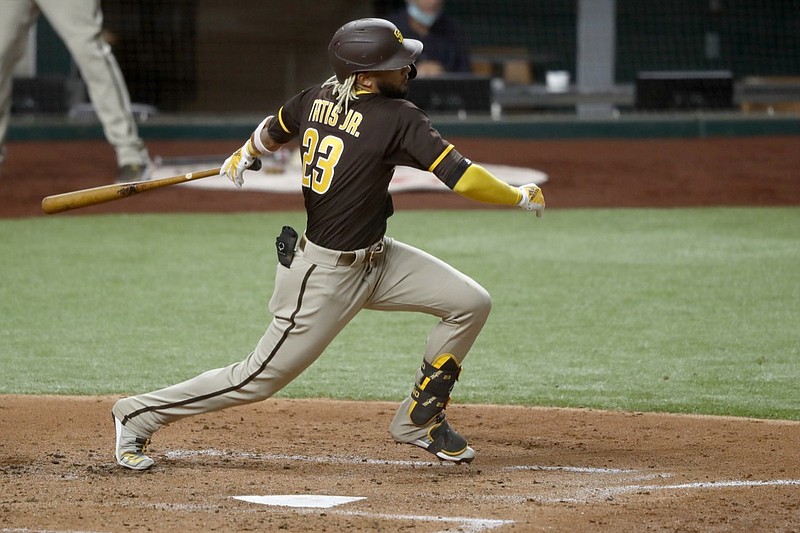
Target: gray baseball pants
(313,300)
(78,23)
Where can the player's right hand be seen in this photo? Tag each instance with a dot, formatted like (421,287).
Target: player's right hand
(245,158)
(532,199)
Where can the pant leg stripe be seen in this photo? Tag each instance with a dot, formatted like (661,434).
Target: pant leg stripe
(249,378)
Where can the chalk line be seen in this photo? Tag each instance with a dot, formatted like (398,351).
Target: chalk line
(575,469)
(594,494)
(465,524)
(331,459)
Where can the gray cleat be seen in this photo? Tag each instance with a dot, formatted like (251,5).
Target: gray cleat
(130,449)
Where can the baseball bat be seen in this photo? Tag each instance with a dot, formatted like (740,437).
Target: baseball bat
(107,193)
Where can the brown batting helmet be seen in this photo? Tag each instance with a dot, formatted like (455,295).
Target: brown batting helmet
(370,44)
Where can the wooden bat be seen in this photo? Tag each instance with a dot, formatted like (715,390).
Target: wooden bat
(107,193)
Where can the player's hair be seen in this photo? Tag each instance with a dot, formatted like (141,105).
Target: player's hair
(343,92)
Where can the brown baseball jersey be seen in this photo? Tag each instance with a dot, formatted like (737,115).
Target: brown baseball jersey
(348,160)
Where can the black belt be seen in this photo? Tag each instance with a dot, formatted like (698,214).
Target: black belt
(347,258)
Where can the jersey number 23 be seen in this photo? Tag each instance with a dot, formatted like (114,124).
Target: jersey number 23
(320,157)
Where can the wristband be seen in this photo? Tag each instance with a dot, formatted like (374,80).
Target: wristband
(524,195)
(252,151)
(257,136)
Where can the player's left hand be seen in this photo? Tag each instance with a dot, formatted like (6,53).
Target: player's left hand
(532,199)
(245,158)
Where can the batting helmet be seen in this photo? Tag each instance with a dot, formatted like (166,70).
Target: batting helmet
(370,44)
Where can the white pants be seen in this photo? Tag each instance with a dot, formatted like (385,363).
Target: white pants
(78,23)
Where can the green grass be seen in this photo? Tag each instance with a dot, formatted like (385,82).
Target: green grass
(679,310)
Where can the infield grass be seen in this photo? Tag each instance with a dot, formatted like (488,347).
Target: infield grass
(676,310)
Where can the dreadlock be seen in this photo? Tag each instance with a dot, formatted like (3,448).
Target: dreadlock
(343,92)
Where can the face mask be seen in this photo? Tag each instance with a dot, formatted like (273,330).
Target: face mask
(426,19)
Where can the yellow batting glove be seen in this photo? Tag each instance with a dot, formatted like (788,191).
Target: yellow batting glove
(532,199)
(244,158)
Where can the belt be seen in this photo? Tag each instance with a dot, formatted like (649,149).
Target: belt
(368,255)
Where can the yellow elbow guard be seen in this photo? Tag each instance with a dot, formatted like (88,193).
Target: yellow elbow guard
(479,184)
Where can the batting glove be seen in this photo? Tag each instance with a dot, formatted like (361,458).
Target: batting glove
(245,158)
(532,199)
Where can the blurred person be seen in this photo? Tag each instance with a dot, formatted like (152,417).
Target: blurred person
(354,129)
(445,42)
(79,24)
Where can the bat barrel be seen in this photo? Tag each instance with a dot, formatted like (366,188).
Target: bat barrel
(107,193)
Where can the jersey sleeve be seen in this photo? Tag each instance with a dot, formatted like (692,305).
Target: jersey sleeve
(419,145)
(286,125)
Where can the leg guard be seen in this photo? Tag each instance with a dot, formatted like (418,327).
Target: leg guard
(432,394)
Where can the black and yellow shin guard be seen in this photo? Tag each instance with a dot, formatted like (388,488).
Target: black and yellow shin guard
(431,396)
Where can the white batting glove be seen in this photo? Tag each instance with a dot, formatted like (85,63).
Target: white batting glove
(532,199)
(244,158)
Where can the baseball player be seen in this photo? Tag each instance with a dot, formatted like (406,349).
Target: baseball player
(353,130)
(78,23)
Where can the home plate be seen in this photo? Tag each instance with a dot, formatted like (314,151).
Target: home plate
(300,500)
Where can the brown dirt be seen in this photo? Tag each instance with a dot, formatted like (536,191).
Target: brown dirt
(537,469)
(590,173)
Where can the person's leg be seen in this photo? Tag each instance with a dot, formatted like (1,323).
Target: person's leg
(311,304)
(15,23)
(79,24)
(412,280)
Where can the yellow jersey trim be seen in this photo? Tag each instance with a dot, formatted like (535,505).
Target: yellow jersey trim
(280,119)
(439,159)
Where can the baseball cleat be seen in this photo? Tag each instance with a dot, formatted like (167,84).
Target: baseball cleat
(133,173)
(446,444)
(130,448)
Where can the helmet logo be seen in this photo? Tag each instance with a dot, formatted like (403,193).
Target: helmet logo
(398,35)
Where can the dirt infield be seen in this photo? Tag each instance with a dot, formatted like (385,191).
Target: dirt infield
(537,469)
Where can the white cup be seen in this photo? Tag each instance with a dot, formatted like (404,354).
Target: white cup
(557,81)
